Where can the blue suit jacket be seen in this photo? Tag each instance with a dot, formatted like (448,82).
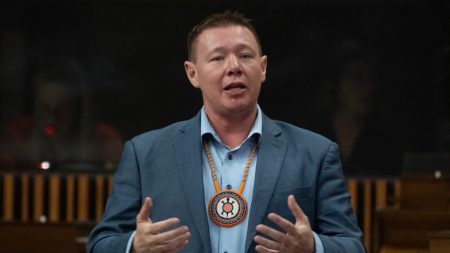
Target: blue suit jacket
(166,165)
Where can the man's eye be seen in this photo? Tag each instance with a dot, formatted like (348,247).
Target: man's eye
(246,56)
(217,58)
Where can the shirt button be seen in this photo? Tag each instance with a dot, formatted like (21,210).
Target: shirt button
(229,187)
(230,157)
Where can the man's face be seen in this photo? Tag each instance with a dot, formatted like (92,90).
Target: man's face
(228,69)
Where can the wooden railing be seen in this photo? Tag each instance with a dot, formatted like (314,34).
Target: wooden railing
(368,196)
(54,198)
(80,198)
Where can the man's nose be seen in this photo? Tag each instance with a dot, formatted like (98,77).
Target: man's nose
(234,67)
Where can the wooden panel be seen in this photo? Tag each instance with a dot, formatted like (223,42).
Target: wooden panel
(367,226)
(70,198)
(397,193)
(425,194)
(25,197)
(8,197)
(389,249)
(54,198)
(38,197)
(83,198)
(439,241)
(439,246)
(99,196)
(353,190)
(110,184)
(409,228)
(381,193)
(38,238)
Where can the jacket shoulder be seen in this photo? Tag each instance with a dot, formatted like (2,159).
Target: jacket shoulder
(303,137)
(163,135)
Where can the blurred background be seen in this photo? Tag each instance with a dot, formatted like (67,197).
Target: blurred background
(78,78)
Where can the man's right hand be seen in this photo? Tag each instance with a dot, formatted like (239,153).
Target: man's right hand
(158,236)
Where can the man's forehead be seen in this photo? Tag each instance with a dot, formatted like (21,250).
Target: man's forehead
(214,34)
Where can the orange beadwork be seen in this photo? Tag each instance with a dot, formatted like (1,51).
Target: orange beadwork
(218,209)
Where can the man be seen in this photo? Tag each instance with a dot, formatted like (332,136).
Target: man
(230,179)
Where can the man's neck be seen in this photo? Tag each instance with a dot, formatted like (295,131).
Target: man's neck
(232,129)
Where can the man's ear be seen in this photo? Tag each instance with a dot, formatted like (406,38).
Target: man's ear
(191,73)
(263,67)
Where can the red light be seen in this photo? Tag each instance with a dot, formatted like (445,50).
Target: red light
(49,130)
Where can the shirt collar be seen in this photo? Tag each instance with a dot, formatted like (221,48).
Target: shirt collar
(207,129)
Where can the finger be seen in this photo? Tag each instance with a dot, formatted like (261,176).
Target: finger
(284,224)
(177,248)
(177,243)
(144,213)
(297,210)
(262,249)
(272,233)
(174,245)
(149,234)
(170,235)
(267,243)
(162,226)
(182,245)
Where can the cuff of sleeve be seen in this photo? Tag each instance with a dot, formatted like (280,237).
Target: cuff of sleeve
(317,242)
(130,243)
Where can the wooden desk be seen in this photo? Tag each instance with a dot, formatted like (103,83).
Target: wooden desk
(45,238)
(425,194)
(439,241)
(393,249)
(407,229)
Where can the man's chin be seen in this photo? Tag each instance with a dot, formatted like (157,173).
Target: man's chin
(241,108)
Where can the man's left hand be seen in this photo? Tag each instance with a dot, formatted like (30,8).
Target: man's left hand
(296,238)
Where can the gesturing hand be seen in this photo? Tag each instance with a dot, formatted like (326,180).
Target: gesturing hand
(297,238)
(158,236)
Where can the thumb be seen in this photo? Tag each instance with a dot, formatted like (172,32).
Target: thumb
(144,213)
(297,210)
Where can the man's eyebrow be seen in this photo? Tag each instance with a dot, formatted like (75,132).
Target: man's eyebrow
(247,47)
(217,49)
(239,46)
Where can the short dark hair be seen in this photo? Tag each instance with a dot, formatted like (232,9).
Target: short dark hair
(226,18)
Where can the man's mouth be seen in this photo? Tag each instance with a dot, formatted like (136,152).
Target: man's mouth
(235,86)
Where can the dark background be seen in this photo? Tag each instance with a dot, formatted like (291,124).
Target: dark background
(132,53)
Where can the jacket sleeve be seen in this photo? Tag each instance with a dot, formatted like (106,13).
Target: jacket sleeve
(336,223)
(113,231)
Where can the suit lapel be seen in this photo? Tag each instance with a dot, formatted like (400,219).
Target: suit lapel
(188,150)
(270,156)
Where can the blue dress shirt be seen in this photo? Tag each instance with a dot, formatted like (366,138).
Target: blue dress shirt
(230,165)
